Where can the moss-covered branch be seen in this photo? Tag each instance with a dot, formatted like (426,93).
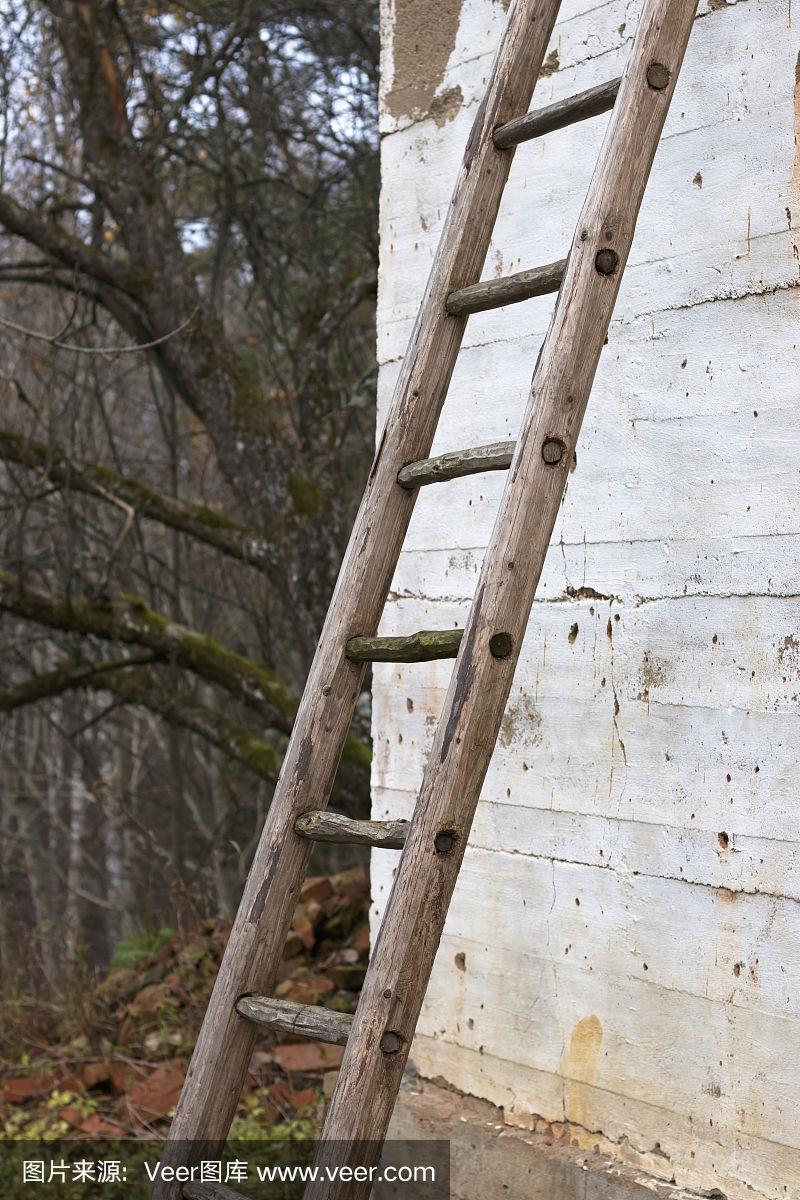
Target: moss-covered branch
(130,622)
(195,520)
(131,685)
(66,678)
(121,679)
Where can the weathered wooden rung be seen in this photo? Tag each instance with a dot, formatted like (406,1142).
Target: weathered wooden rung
(210,1191)
(309,1020)
(591,103)
(324,826)
(424,646)
(494,293)
(495,456)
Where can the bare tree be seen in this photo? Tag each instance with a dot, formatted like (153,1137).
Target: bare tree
(188,194)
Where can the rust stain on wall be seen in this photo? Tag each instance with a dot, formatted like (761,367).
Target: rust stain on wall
(581,1065)
(423,40)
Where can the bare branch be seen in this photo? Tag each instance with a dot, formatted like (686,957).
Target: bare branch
(55,339)
(195,520)
(63,248)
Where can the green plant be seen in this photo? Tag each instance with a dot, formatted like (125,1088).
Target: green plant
(135,949)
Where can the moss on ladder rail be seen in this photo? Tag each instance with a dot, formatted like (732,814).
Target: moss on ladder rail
(424,646)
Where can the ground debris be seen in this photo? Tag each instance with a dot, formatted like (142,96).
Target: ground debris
(121,1074)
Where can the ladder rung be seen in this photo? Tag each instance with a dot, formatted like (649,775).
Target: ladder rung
(210,1191)
(324,826)
(309,1020)
(424,646)
(591,103)
(494,293)
(495,456)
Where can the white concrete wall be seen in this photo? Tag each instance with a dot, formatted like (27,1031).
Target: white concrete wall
(629,908)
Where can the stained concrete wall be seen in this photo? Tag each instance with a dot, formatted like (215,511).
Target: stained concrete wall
(623,950)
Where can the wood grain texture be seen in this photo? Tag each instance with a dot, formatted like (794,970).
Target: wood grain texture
(310,1020)
(326,826)
(494,293)
(589,103)
(495,456)
(403,955)
(219,1063)
(424,646)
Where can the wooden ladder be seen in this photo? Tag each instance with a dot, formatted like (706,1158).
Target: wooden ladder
(378,1037)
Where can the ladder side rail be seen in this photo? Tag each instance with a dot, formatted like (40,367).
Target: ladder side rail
(219,1063)
(406,945)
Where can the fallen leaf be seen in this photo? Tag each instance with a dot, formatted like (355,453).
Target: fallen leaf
(279,1095)
(350,883)
(308,1056)
(96,1126)
(316,887)
(303,927)
(94,1073)
(307,991)
(123,1078)
(150,999)
(294,945)
(156,1095)
(24,1086)
(304,1098)
(71,1116)
(360,939)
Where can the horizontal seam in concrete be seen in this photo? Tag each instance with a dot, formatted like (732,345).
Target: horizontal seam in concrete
(623,871)
(619,322)
(670,538)
(724,297)
(633,601)
(609,818)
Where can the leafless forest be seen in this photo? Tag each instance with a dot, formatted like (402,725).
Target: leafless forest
(187,278)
